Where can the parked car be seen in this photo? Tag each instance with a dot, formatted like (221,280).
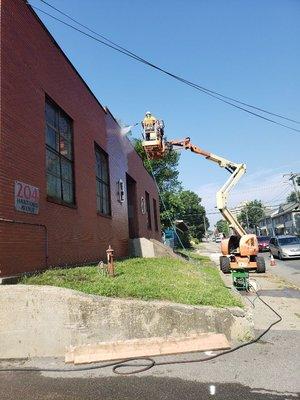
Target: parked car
(285,246)
(263,242)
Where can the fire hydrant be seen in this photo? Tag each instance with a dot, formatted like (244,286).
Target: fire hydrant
(110,261)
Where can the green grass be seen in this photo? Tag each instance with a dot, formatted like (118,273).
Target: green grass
(197,283)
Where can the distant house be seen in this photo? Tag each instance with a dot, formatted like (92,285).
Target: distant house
(286,220)
(265,225)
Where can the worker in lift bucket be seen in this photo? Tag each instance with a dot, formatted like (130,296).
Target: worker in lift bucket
(149,126)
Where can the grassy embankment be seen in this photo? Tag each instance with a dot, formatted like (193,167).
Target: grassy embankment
(196,283)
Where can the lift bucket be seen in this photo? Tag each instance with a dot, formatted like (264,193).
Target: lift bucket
(155,149)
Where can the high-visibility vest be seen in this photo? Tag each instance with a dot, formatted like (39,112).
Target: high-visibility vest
(149,121)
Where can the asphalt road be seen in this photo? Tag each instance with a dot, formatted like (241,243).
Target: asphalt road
(268,369)
(285,269)
(288,270)
(29,387)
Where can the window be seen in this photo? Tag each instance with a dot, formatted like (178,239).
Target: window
(59,154)
(289,241)
(102,182)
(149,225)
(155,214)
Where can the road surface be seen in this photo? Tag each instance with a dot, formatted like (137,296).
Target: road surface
(268,369)
(288,270)
(285,269)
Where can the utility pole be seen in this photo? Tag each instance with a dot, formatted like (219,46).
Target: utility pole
(295,178)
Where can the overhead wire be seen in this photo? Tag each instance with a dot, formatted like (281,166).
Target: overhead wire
(130,54)
(151,362)
(148,62)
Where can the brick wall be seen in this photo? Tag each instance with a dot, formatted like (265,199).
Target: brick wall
(32,66)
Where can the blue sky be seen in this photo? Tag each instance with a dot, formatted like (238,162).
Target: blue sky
(245,49)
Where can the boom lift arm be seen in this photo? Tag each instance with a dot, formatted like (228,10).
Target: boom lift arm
(239,251)
(236,170)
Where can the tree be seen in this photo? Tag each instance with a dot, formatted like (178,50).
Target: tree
(175,203)
(251,214)
(223,227)
(165,172)
(165,169)
(193,213)
(185,205)
(292,197)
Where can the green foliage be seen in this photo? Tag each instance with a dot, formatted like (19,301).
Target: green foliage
(185,205)
(251,214)
(147,279)
(164,170)
(193,213)
(223,227)
(292,197)
(175,203)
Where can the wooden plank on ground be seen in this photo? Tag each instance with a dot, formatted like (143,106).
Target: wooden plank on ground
(146,347)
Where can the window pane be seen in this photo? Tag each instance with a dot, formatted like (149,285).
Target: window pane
(102,182)
(101,166)
(51,137)
(65,148)
(64,126)
(104,169)
(51,115)
(98,165)
(98,203)
(52,163)
(66,170)
(53,186)
(67,192)
(98,188)
(59,155)
(105,200)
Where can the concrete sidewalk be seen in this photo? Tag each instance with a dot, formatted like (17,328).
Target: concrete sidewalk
(283,296)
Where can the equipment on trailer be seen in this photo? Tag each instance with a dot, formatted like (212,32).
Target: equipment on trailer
(239,252)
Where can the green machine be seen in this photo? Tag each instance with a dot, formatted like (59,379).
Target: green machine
(240,279)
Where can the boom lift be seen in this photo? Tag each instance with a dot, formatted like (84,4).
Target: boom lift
(239,252)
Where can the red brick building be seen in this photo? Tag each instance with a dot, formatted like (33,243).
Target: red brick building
(70,184)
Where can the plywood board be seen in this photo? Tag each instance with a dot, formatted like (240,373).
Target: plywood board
(145,347)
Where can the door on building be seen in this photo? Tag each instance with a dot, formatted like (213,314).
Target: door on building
(132,207)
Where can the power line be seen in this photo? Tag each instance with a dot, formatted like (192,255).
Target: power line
(148,62)
(237,192)
(218,212)
(282,193)
(130,54)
